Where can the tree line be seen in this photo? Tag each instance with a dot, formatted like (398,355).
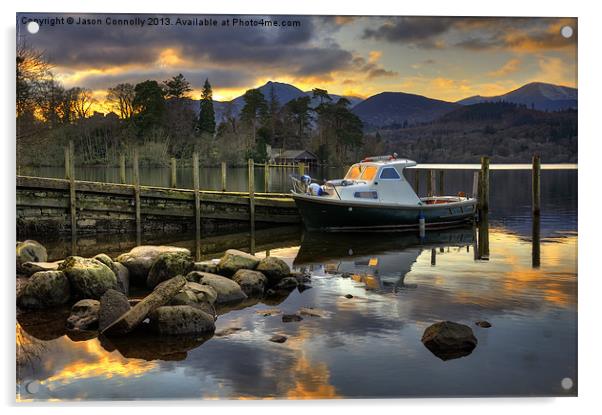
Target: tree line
(162,120)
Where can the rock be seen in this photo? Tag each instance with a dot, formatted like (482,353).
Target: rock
(227,290)
(227,331)
(269,312)
(30,268)
(301,277)
(121,272)
(274,268)
(312,312)
(277,338)
(348,296)
(161,295)
(84,315)
(140,260)
(233,260)
(113,304)
(89,277)
(169,265)
(151,346)
(206,266)
(287,283)
(30,251)
(251,282)
(449,340)
(287,318)
(346,275)
(45,289)
(196,295)
(484,324)
(181,319)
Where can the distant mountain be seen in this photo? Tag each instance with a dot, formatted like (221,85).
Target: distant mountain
(283,92)
(536,95)
(398,108)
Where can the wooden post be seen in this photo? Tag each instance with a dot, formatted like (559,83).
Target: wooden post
(430,183)
(72,198)
(136,177)
(536,242)
(535,185)
(433,257)
(301,169)
(252,194)
(475,185)
(417,182)
(266,178)
(484,184)
(441,182)
(67,167)
(122,179)
(224,176)
(197,199)
(173,183)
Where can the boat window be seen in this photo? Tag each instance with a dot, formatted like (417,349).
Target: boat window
(366,195)
(369,173)
(354,172)
(389,173)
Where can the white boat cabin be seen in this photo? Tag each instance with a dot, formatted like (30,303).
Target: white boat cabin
(377,179)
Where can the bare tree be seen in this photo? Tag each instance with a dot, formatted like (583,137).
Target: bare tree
(82,102)
(120,98)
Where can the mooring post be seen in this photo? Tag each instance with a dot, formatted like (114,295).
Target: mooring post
(173,183)
(430,183)
(252,194)
(197,199)
(433,257)
(484,186)
(72,198)
(122,179)
(224,176)
(536,242)
(441,182)
(266,177)
(535,185)
(67,167)
(136,174)
(301,169)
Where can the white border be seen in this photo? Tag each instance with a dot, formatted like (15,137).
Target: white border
(590,141)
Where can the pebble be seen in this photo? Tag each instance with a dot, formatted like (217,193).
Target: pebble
(277,338)
(287,318)
(484,324)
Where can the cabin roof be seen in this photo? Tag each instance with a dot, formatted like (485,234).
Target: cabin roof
(395,162)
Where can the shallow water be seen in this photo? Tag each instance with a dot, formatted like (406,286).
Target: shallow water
(365,346)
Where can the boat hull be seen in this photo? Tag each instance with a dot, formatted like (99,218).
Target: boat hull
(336,215)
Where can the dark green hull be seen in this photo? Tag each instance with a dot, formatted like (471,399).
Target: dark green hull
(335,215)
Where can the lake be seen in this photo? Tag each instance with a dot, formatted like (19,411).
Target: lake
(366,346)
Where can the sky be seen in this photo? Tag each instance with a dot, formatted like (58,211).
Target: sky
(446,58)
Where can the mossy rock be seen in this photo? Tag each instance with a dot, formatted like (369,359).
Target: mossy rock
(89,277)
(169,265)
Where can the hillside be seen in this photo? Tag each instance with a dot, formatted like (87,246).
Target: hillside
(507,132)
(396,109)
(536,95)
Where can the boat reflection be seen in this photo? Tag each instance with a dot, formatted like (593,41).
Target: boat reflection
(381,261)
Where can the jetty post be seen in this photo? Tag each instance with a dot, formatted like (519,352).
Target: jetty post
(136,173)
(301,169)
(173,183)
(475,184)
(67,168)
(224,176)
(536,242)
(441,182)
(266,177)
(535,185)
(197,200)
(430,183)
(252,194)
(122,179)
(484,185)
(72,199)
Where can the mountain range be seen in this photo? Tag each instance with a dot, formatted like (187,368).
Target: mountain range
(393,109)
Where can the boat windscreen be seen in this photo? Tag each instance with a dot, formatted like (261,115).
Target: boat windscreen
(369,173)
(354,172)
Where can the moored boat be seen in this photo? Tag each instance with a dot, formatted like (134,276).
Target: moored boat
(375,195)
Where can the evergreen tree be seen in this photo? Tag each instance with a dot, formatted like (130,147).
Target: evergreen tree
(254,112)
(177,87)
(207,113)
(149,105)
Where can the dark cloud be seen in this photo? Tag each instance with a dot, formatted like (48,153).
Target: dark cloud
(420,31)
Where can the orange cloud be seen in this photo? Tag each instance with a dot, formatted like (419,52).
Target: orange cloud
(508,68)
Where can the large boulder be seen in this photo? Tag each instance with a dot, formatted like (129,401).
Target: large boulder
(45,289)
(181,319)
(30,268)
(121,272)
(30,251)
(113,304)
(227,290)
(273,268)
(84,315)
(195,294)
(168,265)
(251,282)
(206,266)
(161,295)
(141,258)
(233,260)
(89,277)
(448,340)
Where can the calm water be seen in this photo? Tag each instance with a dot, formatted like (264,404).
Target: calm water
(366,346)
